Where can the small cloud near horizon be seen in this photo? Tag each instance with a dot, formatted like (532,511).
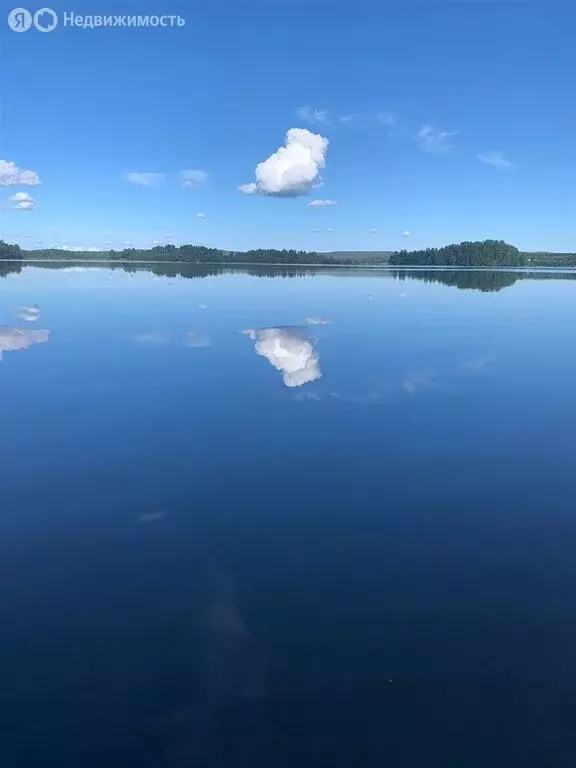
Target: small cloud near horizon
(321,203)
(22,201)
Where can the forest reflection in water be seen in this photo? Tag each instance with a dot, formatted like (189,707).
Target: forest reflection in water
(484,280)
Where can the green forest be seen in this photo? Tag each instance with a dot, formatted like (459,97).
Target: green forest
(486,253)
(489,253)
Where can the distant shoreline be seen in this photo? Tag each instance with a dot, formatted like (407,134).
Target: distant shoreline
(487,254)
(311,265)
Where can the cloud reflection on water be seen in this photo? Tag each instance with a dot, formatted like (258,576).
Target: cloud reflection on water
(318,321)
(12,339)
(30,314)
(153,338)
(290,351)
(196,340)
(477,365)
(191,339)
(419,380)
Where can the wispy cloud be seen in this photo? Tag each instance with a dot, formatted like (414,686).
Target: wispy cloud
(152,338)
(293,169)
(355,117)
(314,116)
(145,179)
(13,176)
(496,160)
(196,340)
(321,203)
(419,380)
(386,119)
(152,517)
(192,178)
(200,215)
(433,141)
(477,364)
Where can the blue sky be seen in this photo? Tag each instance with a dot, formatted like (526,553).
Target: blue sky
(447,120)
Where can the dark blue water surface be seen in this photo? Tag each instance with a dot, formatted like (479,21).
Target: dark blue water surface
(345,542)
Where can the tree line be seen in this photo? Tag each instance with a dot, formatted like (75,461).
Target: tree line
(486,253)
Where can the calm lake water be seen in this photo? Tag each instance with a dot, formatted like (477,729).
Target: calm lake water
(287,519)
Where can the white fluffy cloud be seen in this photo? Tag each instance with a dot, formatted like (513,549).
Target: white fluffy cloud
(192,179)
(13,176)
(145,179)
(497,160)
(290,351)
(22,201)
(433,141)
(293,169)
(321,203)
